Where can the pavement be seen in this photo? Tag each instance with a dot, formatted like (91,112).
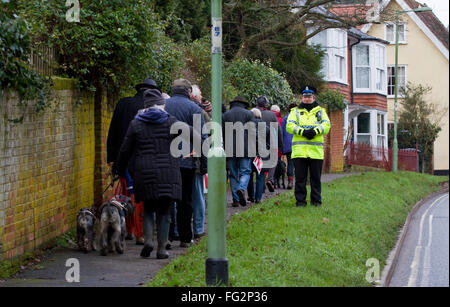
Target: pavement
(423,256)
(127,270)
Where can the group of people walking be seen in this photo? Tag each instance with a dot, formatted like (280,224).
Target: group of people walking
(168,191)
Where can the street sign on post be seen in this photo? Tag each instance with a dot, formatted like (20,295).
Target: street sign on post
(216,264)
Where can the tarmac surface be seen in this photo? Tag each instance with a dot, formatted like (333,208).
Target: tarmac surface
(127,270)
(424,255)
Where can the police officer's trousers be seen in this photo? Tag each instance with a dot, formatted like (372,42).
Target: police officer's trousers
(302,167)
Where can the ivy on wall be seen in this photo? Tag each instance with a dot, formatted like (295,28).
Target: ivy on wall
(16,74)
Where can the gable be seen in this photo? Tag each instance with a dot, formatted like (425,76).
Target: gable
(427,22)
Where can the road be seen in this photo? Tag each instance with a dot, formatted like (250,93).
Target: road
(424,256)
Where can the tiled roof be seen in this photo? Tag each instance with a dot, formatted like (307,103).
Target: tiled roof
(431,21)
(349,10)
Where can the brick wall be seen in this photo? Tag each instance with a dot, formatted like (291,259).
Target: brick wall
(46,167)
(335,142)
(334,153)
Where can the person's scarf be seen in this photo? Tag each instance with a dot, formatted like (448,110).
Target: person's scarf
(309,107)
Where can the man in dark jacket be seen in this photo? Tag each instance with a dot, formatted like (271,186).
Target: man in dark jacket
(156,172)
(262,103)
(125,111)
(240,159)
(181,107)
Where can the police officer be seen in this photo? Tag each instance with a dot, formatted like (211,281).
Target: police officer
(308,123)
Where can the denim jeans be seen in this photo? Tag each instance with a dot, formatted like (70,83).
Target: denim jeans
(290,164)
(240,170)
(198,204)
(256,192)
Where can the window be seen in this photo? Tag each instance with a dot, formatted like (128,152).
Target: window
(334,62)
(340,67)
(380,68)
(390,33)
(363,132)
(369,68)
(364,123)
(391,80)
(340,55)
(381,132)
(362,66)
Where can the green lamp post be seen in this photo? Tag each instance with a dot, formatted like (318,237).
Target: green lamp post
(216,264)
(395,142)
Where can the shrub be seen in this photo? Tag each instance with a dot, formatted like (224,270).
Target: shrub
(252,79)
(333,99)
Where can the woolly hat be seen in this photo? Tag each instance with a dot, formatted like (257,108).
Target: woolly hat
(153,97)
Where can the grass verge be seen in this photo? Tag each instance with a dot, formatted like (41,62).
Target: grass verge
(276,244)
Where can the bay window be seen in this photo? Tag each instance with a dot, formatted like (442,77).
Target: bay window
(369,68)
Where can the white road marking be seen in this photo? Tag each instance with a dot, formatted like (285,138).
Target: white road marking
(427,257)
(416,261)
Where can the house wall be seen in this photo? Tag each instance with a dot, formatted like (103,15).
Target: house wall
(426,65)
(371,100)
(47,167)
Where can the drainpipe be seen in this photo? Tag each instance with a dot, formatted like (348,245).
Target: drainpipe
(351,69)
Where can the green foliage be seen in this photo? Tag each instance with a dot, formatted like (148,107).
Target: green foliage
(419,123)
(311,247)
(15,71)
(300,63)
(115,45)
(284,48)
(252,79)
(187,20)
(333,99)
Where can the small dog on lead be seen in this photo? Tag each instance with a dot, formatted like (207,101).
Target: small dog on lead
(112,224)
(280,172)
(85,230)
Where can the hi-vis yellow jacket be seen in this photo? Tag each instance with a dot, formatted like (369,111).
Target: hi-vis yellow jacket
(300,120)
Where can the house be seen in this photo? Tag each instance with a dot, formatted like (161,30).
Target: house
(355,64)
(423,59)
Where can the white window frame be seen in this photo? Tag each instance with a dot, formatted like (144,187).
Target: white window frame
(334,53)
(362,89)
(373,128)
(373,69)
(405,41)
(387,80)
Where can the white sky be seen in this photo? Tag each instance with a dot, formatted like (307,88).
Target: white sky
(440,9)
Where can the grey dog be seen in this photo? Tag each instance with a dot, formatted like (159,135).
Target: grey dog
(112,224)
(85,230)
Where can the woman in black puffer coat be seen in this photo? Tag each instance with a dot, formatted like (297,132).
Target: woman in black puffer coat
(157,177)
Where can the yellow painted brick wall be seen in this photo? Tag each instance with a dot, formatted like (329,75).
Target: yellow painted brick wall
(46,168)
